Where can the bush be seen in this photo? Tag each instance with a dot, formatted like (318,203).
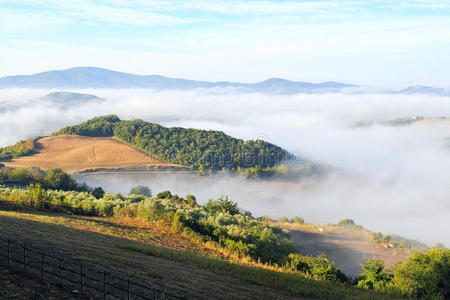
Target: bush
(283,219)
(425,274)
(319,267)
(297,220)
(141,190)
(375,276)
(98,193)
(222,205)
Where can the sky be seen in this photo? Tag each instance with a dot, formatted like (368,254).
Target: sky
(375,43)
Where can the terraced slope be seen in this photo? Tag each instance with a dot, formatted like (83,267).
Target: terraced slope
(75,153)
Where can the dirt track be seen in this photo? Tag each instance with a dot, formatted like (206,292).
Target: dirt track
(75,153)
(347,248)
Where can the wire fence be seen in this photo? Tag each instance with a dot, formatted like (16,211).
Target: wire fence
(77,277)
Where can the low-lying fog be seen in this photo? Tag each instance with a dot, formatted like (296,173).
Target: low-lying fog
(390,179)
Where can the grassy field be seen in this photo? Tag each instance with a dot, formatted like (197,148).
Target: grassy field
(79,153)
(21,286)
(159,255)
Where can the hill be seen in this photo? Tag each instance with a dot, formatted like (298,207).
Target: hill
(90,77)
(200,149)
(78,153)
(70,98)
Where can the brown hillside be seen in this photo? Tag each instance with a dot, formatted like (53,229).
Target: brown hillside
(75,153)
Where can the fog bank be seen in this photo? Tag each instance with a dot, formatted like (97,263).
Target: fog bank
(389,179)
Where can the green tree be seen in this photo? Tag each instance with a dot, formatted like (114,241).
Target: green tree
(222,205)
(425,274)
(375,276)
(98,192)
(57,179)
(297,220)
(141,190)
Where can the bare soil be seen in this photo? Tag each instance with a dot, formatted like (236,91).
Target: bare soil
(75,153)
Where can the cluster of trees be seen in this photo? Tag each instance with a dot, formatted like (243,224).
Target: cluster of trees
(201,149)
(53,179)
(19,149)
(425,275)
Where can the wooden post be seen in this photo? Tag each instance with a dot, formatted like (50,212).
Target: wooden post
(60,273)
(104,285)
(9,253)
(81,278)
(128,286)
(25,258)
(42,266)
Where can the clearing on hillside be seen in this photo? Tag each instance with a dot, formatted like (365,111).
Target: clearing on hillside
(75,153)
(346,247)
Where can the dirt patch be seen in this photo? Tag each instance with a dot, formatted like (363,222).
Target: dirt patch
(346,247)
(75,153)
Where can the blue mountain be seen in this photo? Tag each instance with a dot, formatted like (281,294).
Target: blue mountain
(90,77)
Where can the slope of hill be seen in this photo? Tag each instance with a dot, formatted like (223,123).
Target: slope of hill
(90,77)
(78,153)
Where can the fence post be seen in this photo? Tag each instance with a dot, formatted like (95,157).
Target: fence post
(128,286)
(9,253)
(104,285)
(42,266)
(81,278)
(25,258)
(60,273)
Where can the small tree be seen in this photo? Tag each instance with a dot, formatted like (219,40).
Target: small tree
(375,276)
(141,190)
(222,205)
(283,219)
(98,192)
(297,220)
(191,200)
(425,275)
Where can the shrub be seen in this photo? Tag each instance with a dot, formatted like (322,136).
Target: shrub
(141,190)
(222,205)
(375,276)
(283,219)
(425,274)
(319,267)
(297,220)
(98,193)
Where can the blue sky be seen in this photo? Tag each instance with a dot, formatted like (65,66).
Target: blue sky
(381,43)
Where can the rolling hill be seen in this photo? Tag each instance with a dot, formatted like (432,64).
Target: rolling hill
(110,143)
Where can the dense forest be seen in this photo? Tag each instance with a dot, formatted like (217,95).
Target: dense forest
(201,149)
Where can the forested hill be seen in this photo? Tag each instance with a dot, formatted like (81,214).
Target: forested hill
(200,149)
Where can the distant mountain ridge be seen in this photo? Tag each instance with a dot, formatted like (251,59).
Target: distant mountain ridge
(91,77)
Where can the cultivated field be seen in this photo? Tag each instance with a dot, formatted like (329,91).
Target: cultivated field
(347,247)
(75,153)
